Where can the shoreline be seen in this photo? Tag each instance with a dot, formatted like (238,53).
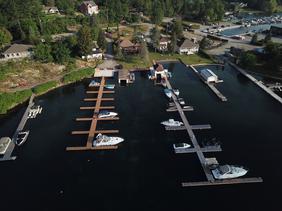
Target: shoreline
(60,84)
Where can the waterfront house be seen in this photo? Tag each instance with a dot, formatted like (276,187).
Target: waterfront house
(89,8)
(188,47)
(51,10)
(18,51)
(128,47)
(164,43)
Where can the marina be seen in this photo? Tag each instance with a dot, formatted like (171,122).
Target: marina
(147,164)
(94,121)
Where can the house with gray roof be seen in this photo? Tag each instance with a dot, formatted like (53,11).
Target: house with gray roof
(18,51)
(188,47)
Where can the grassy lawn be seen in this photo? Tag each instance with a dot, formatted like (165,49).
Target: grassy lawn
(134,62)
(187,59)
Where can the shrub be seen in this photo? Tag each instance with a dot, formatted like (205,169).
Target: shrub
(44,87)
(78,75)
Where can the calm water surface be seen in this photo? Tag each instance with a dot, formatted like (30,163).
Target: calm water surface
(144,173)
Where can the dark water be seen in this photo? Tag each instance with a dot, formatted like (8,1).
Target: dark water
(144,174)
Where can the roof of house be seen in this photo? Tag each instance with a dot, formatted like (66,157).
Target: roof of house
(164,39)
(18,48)
(126,43)
(188,44)
(92,3)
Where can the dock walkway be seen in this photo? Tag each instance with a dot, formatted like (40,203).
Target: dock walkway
(94,120)
(10,149)
(211,86)
(257,82)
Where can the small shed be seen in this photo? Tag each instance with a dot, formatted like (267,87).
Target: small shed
(208,76)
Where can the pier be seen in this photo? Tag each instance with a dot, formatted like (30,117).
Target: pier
(8,154)
(211,86)
(92,132)
(205,162)
(257,82)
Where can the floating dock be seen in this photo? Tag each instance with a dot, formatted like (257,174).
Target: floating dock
(210,85)
(200,152)
(8,154)
(92,132)
(259,83)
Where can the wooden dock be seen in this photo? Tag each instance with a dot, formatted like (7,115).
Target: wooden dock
(201,150)
(211,86)
(174,109)
(8,155)
(223,182)
(193,127)
(92,132)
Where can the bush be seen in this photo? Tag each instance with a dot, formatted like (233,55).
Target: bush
(9,100)
(42,88)
(78,75)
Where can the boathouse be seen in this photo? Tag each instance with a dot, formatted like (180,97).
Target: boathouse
(208,76)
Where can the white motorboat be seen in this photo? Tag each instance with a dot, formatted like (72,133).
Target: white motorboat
(168,93)
(228,172)
(181,101)
(181,146)
(110,86)
(94,83)
(21,137)
(176,92)
(172,123)
(107,114)
(103,140)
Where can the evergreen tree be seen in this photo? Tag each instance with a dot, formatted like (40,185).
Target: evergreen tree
(254,40)
(173,44)
(157,12)
(144,53)
(155,37)
(102,40)
(84,40)
(61,53)
(42,52)
(178,28)
(5,37)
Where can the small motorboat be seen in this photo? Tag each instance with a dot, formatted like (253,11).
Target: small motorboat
(172,123)
(176,92)
(107,114)
(181,101)
(21,137)
(103,140)
(94,83)
(110,86)
(168,93)
(181,146)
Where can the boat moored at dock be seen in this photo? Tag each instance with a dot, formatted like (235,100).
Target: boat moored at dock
(181,146)
(228,172)
(103,140)
(172,123)
(107,114)
(4,144)
(110,86)
(21,138)
(94,83)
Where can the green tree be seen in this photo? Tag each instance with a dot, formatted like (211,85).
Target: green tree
(248,60)
(270,6)
(155,37)
(84,40)
(267,38)
(5,37)
(173,44)
(61,53)
(42,52)
(178,28)
(144,53)
(157,12)
(204,43)
(101,41)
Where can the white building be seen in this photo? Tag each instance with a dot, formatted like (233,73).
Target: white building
(188,47)
(95,54)
(208,76)
(89,8)
(51,10)
(163,45)
(17,51)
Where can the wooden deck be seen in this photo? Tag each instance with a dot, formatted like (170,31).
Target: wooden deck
(92,132)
